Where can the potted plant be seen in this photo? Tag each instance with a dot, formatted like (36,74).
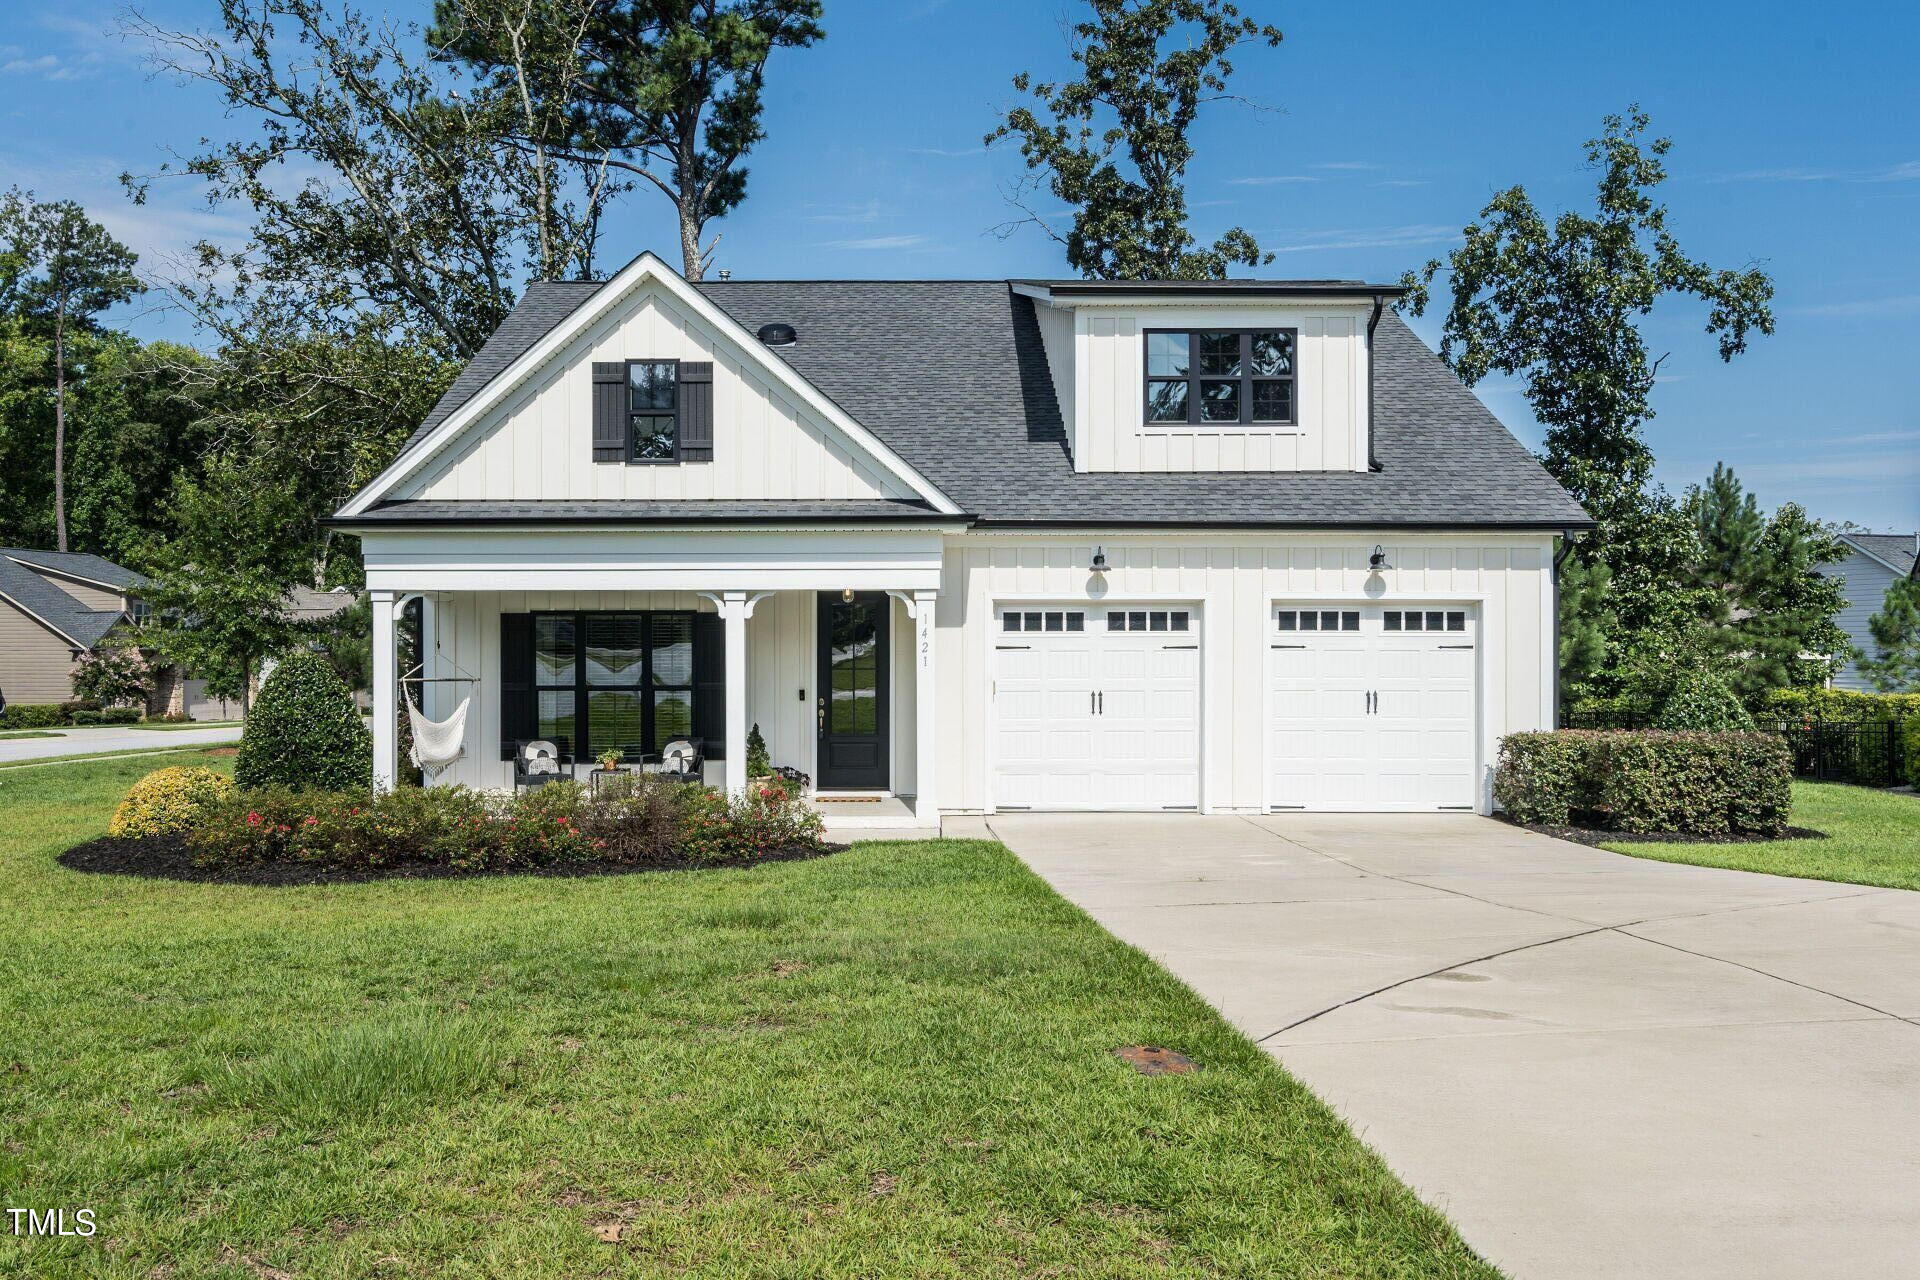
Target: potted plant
(759,763)
(609,760)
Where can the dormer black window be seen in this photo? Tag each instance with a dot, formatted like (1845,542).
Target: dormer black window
(1221,377)
(653,433)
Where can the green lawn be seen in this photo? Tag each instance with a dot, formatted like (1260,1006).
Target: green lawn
(1873,838)
(161,726)
(891,1062)
(142,752)
(27,733)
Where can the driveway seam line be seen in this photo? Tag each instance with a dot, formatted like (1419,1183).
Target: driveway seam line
(1858,1004)
(1445,968)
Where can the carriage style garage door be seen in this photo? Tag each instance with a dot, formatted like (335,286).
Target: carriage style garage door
(1372,707)
(1097,707)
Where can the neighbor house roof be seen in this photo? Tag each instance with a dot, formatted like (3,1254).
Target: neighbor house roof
(40,598)
(1894,550)
(952,375)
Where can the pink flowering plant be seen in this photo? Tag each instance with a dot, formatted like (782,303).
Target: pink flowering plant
(649,823)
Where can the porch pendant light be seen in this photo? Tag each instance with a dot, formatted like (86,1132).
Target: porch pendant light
(846,595)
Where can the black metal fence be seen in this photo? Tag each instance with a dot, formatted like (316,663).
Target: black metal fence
(1868,753)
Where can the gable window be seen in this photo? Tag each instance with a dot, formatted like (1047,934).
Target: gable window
(653,433)
(1221,377)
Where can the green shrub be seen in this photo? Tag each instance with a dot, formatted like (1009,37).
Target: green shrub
(759,763)
(1812,705)
(1910,748)
(765,819)
(1646,780)
(107,715)
(32,715)
(1702,700)
(304,731)
(169,802)
(113,674)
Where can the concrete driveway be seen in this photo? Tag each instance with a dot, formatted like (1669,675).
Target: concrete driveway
(1595,1065)
(74,742)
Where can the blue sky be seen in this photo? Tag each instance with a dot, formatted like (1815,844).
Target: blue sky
(1387,126)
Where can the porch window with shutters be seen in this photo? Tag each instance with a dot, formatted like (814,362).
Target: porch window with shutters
(628,680)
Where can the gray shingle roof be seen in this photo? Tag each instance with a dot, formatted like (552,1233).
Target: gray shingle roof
(77,564)
(952,375)
(1897,549)
(37,596)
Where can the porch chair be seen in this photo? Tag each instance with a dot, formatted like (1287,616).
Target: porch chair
(538,761)
(682,759)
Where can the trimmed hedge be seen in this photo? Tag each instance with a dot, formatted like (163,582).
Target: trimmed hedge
(32,715)
(305,731)
(1647,780)
(107,715)
(1837,704)
(1910,737)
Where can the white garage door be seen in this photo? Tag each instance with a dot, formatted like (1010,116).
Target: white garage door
(1097,707)
(1373,707)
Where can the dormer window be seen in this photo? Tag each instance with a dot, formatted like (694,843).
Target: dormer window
(653,433)
(1221,377)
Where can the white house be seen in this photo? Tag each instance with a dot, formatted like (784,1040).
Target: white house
(978,545)
(1874,561)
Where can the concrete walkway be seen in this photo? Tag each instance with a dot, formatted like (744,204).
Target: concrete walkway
(75,742)
(1595,1065)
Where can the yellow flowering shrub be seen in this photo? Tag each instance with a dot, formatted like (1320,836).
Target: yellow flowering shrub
(168,802)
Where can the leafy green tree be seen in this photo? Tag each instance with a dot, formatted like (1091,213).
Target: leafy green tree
(1894,666)
(1114,143)
(1559,304)
(1766,609)
(220,594)
(1702,699)
(113,674)
(668,92)
(1587,623)
(58,271)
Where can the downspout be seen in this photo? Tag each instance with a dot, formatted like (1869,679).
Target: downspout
(1373,322)
(1567,538)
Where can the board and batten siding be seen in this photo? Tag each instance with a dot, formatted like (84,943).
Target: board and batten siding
(1103,400)
(538,444)
(1235,580)
(1865,582)
(35,664)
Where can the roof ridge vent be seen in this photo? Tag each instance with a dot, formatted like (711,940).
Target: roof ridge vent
(778,335)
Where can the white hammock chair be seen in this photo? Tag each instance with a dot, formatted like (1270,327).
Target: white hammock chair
(437,744)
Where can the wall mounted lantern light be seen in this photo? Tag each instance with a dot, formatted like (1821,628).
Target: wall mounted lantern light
(1099,564)
(1378,560)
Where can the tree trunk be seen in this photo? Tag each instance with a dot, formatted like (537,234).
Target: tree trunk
(691,265)
(246,687)
(60,425)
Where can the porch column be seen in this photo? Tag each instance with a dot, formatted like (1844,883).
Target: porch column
(926,750)
(386,710)
(734,610)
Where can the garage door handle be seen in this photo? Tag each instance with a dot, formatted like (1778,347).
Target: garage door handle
(1286,646)
(1457,646)
(1091,701)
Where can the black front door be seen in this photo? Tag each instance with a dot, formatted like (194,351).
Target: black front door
(851,707)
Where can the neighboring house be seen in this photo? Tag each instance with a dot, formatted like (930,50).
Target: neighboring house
(1229,546)
(1874,561)
(304,604)
(54,607)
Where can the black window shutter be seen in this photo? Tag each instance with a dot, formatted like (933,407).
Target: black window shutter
(609,411)
(710,682)
(696,411)
(519,715)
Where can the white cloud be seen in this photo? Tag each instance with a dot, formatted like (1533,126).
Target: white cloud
(1399,182)
(877,242)
(1368,238)
(946,152)
(1905,171)
(856,213)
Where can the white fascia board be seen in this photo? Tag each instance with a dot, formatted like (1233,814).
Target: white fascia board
(645,269)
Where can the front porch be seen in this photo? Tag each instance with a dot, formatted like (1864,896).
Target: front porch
(628,638)
(839,684)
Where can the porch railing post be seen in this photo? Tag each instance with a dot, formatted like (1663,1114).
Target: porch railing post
(926,699)
(386,688)
(734,609)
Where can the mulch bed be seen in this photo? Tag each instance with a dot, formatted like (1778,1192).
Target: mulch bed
(167,858)
(1593,836)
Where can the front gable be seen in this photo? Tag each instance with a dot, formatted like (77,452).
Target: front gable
(529,435)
